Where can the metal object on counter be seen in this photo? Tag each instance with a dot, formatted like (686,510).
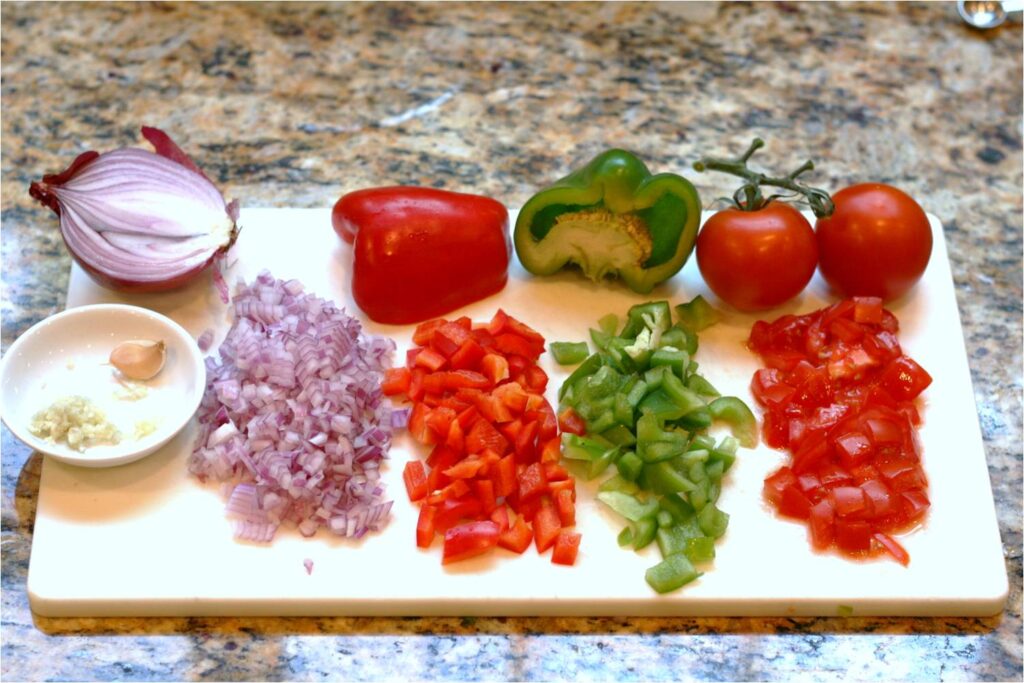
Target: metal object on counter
(987,13)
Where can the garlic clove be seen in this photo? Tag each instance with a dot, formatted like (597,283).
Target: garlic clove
(139,358)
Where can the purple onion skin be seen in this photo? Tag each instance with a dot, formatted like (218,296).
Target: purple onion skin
(41,191)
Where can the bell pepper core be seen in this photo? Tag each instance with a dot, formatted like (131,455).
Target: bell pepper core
(611,218)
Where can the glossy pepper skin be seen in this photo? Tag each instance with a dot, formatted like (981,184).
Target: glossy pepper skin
(421,252)
(611,218)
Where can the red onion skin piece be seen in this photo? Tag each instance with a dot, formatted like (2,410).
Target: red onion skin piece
(164,146)
(41,192)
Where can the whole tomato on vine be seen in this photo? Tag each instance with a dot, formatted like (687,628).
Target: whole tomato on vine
(760,252)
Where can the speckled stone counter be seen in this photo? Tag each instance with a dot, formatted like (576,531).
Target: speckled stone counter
(289,105)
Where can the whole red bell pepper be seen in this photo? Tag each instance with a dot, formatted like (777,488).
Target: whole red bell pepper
(421,252)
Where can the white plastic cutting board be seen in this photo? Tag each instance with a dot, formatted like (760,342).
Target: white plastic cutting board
(146,539)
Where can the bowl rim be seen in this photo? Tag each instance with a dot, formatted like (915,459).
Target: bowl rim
(195,356)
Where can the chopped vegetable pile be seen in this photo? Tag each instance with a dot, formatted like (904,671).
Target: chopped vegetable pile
(492,477)
(639,404)
(839,392)
(293,419)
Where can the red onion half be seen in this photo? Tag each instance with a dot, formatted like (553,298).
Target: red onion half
(137,220)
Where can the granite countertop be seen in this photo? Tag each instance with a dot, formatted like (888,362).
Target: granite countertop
(290,104)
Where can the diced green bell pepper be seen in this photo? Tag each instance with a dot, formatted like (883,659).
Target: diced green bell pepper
(611,218)
(671,573)
(628,506)
(737,415)
(697,314)
(588,367)
(569,353)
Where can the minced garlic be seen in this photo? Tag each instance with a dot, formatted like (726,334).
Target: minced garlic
(76,420)
(144,428)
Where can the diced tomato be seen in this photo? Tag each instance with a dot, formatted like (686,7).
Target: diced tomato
(794,503)
(838,392)
(853,536)
(776,484)
(468,540)
(914,504)
(892,547)
(867,309)
(567,545)
(545,525)
(853,448)
(821,522)
(415,477)
(848,500)
(905,379)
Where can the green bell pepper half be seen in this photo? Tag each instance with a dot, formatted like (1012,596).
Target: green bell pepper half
(611,218)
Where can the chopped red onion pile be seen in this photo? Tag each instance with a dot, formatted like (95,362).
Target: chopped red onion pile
(293,419)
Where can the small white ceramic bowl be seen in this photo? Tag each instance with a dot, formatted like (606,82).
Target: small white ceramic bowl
(68,353)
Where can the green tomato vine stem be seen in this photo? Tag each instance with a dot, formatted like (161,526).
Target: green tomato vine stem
(749,196)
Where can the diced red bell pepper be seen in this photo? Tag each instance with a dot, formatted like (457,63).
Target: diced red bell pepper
(499,515)
(424,332)
(567,545)
(482,436)
(485,494)
(545,525)
(396,381)
(468,540)
(566,506)
(517,537)
(504,476)
(468,357)
(570,421)
(430,360)
(494,367)
(415,477)
(425,526)
(532,482)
